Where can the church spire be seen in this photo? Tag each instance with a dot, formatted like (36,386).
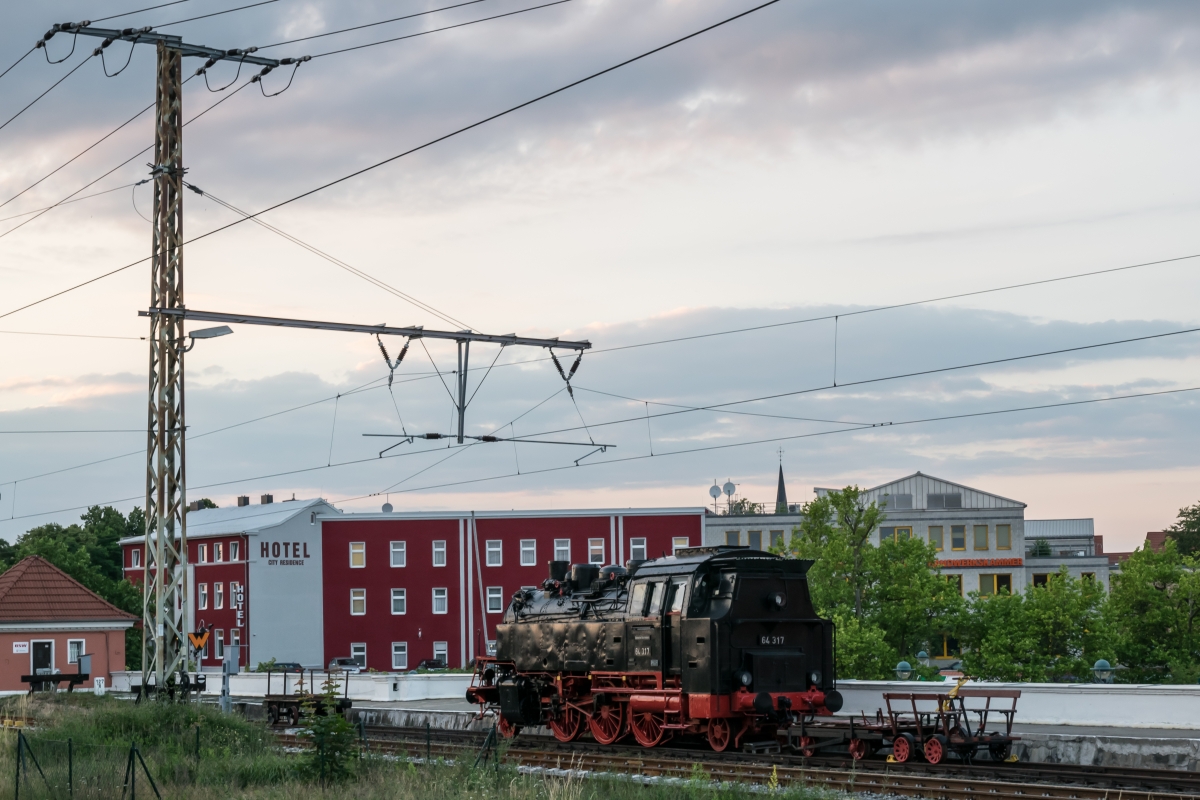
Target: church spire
(781,503)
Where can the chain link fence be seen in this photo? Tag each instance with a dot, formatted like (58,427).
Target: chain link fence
(50,769)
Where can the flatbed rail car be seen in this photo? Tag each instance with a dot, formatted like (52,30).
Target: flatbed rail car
(288,704)
(932,725)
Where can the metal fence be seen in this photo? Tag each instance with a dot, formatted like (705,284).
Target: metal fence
(59,768)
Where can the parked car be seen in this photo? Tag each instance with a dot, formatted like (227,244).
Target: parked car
(287,666)
(348,665)
(432,663)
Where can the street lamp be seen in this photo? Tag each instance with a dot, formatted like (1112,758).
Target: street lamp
(206,333)
(903,670)
(923,657)
(1103,671)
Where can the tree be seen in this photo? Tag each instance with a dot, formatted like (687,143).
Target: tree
(1152,613)
(907,596)
(1041,549)
(1186,530)
(862,650)
(839,526)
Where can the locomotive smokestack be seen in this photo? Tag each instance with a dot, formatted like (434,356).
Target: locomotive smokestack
(559,570)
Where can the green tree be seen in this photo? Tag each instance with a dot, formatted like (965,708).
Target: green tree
(1186,530)
(907,596)
(1152,615)
(863,652)
(331,735)
(838,527)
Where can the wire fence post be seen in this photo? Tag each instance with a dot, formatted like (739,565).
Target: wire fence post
(428,743)
(131,775)
(146,769)
(70,768)
(17,777)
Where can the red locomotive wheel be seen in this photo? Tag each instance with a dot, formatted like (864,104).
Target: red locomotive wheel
(806,746)
(935,749)
(506,728)
(859,749)
(568,725)
(903,747)
(648,727)
(719,734)
(608,725)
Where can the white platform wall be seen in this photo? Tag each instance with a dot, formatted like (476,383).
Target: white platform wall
(367,686)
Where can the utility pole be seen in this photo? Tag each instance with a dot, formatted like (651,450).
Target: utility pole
(164,576)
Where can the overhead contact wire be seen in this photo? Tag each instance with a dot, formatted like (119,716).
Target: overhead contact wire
(43,94)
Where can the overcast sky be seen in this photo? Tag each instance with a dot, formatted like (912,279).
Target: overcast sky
(811,159)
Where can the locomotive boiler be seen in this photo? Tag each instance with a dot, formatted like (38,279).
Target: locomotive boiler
(720,642)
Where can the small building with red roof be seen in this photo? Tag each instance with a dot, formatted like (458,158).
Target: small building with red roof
(48,620)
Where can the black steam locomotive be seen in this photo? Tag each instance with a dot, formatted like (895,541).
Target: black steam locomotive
(715,641)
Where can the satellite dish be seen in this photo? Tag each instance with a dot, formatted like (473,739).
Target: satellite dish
(729,488)
(714,491)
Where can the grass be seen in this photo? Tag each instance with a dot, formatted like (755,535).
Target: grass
(239,759)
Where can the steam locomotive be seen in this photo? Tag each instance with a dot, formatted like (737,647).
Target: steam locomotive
(720,642)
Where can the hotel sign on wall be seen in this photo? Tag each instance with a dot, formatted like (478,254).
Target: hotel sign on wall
(979,562)
(284,554)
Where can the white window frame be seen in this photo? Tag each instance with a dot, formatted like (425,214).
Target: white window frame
(401,551)
(399,655)
(402,596)
(137,558)
(495,599)
(529,552)
(235,636)
(560,546)
(235,551)
(439,547)
(202,553)
(361,549)
(361,647)
(218,595)
(82,646)
(680,542)
(444,649)
(202,597)
(218,552)
(596,548)
(445,598)
(220,640)
(358,594)
(494,553)
(637,543)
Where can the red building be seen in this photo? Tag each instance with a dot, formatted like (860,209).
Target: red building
(390,589)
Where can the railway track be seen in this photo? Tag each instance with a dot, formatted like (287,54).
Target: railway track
(947,781)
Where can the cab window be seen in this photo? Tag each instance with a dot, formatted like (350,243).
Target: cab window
(656,600)
(677,592)
(637,600)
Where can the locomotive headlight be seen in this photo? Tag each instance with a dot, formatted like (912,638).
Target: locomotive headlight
(814,677)
(744,677)
(778,599)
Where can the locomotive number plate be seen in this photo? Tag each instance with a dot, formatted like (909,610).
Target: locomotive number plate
(770,640)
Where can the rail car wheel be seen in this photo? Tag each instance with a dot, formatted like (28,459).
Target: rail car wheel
(648,727)
(903,747)
(273,713)
(294,712)
(935,749)
(719,734)
(859,749)
(805,746)
(608,725)
(506,728)
(568,725)
(1000,751)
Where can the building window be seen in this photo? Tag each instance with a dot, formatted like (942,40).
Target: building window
(218,552)
(895,534)
(235,637)
(204,651)
(220,643)
(202,596)
(495,600)
(399,601)
(399,655)
(441,651)
(495,553)
(529,552)
(399,554)
(776,539)
(1040,579)
(358,555)
(358,602)
(439,601)
(202,554)
(596,552)
(981,537)
(754,539)
(358,651)
(957,581)
(136,558)
(936,537)
(733,538)
(439,553)
(944,500)
(1088,576)
(899,502)
(949,647)
(1004,537)
(235,551)
(218,595)
(637,549)
(562,550)
(995,584)
(958,537)
(74,650)
(678,543)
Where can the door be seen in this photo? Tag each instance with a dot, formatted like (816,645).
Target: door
(644,630)
(43,657)
(672,626)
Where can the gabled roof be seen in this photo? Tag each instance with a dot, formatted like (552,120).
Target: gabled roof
(245,519)
(34,590)
(920,485)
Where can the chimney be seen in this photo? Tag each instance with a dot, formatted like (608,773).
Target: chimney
(266,499)
(194,505)
(243,500)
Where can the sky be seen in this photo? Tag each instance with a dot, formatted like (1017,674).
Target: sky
(877,163)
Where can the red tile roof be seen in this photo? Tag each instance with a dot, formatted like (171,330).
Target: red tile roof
(34,590)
